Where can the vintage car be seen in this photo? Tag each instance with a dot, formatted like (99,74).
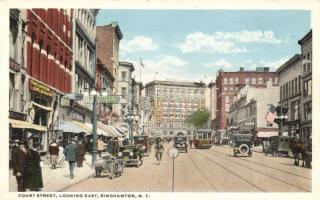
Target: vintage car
(180,143)
(242,144)
(277,145)
(109,164)
(142,141)
(131,155)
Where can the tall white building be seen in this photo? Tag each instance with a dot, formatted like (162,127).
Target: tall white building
(171,103)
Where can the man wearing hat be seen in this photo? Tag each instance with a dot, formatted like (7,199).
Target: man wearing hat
(54,153)
(80,154)
(20,164)
(70,153)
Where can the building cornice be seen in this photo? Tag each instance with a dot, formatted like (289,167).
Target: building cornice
(292,61)
(305,38)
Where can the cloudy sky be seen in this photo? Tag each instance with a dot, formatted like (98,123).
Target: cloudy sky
(195,44)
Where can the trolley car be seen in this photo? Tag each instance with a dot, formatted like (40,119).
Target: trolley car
(202,139)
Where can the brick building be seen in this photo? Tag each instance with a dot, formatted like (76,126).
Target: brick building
(229,83)
(42,54)
(108,40)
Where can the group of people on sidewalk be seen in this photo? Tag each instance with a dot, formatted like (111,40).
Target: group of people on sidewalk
(26,166)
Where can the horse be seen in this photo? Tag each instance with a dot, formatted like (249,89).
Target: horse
(298,147)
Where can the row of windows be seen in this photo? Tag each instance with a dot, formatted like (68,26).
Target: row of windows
(291,88)
(87,21)
(231,80)
(307,63)
(182,91)
(83,54)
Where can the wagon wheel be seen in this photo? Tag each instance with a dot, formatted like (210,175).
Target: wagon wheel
(98,172)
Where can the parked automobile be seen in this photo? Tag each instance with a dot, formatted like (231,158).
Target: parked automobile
(109,164)
(276,145)
(131,155)
(180,143)
(242,144)
(142,141)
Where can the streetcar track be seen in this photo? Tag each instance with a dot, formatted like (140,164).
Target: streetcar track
(202,173)
(230,171)
(261,164)
(259,172)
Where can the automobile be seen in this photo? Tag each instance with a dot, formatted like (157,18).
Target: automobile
(180,143)
(109,164)
(142,141)
(131,155)
(276,145)
(242,144)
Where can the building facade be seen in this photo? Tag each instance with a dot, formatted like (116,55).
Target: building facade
(248,112)
(45,57)
(229,83)
(172,103)
(126,93)
(306,102)
(290,81)
(108,40)
(213,103)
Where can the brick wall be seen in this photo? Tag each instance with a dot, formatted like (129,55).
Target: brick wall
(49,47)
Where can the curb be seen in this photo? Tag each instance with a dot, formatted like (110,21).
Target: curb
(75,183)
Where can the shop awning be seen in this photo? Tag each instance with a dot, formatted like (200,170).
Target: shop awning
(82,126)
(26,125)
(267,134)
(41,106)
(105,128)
(114,131)
(70,127)
(99,130)
(118,129)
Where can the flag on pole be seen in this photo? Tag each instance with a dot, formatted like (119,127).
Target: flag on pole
(141,63)
(270,117)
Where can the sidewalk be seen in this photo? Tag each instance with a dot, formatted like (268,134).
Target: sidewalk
(55,180)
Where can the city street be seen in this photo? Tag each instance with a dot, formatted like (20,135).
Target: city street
(201,170)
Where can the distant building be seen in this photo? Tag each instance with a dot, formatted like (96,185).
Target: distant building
(213,103)
(248,111)
(229,83)
(306,102)
(172,102)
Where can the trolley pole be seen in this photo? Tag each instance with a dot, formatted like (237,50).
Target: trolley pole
(173,153)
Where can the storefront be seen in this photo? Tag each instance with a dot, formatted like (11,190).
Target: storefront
(40,113)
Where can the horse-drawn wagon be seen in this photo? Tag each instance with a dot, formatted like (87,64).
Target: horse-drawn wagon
(277,145)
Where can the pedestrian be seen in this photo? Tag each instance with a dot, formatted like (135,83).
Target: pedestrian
(54,153)
(34,174)
(80,154)
(190,142)
(100,146)
(13,147)
(20,164)
(70,153)
(61,155)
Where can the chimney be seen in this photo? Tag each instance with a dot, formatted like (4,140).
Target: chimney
(241,69)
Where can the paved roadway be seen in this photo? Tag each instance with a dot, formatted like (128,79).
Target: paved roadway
(202,170)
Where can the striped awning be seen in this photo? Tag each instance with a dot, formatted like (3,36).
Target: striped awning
(70,127)
(26,125)
(99,130)
(105,128)
(82,126)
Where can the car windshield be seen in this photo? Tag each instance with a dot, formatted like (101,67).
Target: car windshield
(181,139)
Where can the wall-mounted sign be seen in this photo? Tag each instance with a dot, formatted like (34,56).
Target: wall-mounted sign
(109,99)
(65,102)
(40,88)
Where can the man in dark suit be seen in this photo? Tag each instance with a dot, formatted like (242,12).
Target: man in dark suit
(20,163)
(70,153)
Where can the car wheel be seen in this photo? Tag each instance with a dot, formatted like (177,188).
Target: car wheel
(244,148)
